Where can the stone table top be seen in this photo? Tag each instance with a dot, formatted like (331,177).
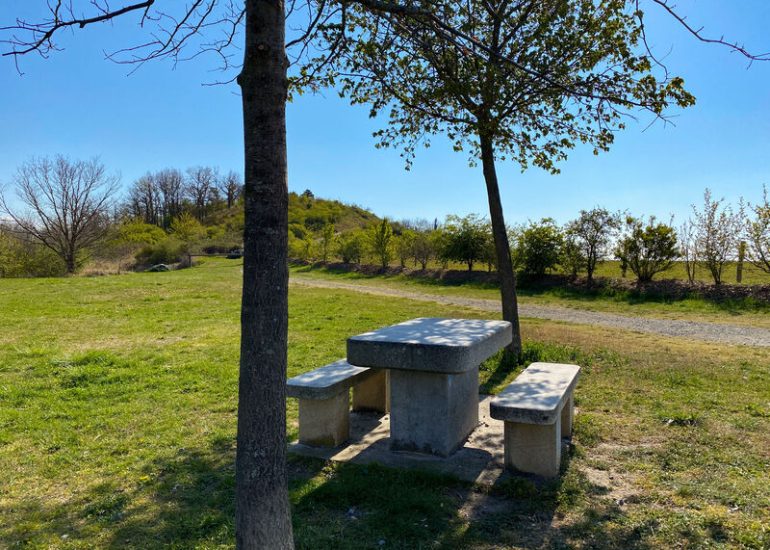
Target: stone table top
(537,394)
(430,344)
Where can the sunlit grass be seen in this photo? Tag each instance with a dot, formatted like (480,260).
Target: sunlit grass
(117,425)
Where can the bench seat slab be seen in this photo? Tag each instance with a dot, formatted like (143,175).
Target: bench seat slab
(325,422)
(326,382)
(537,395)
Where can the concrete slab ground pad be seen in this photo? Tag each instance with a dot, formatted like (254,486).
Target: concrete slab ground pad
(479,460)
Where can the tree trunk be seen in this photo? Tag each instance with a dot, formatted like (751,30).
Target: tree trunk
(262,512)
(502,247)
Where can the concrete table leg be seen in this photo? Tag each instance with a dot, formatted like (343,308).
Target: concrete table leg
(432,412)
(373,394)
(567,414)
(533,448)
(324,422)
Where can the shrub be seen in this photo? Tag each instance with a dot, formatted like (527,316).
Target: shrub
(187,228)
(465,239)
(168,251)
(539,246)
(647,249)
(381,242)
(352,247)
(589,238)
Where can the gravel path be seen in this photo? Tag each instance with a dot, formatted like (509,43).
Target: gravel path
(708,332)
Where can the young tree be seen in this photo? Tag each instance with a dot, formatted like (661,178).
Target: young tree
(422,249)
(688,248)
(539,247)
(593,232)
(352,247)
(381,242)
(465,239)
(68,203)
(528,81)
(758,233)
(717,234)
(404,245)
(571,258)
(647,249)
(328,238)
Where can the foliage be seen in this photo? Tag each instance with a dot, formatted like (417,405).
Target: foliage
(592,232)
(571,257)
(22,257)
(352,246)
(381,242)
(423,249)
(187,228)
(404,245)
(717,233)
(466,239)
(758,233)
(328,238)
(135,231)
(539,247)
(647,249)
(167,251)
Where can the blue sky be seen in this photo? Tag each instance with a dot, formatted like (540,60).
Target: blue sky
(78,104)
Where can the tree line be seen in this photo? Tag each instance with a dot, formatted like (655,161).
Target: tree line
(715,234)
(67,212)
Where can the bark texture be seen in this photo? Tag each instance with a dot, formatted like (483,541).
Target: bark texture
(263,514)
(502,247)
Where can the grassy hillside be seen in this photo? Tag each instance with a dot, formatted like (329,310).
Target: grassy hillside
(117,429)
(312,214)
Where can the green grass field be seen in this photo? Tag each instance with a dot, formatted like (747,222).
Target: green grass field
(117,427)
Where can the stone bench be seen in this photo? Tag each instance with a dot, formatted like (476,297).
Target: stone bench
(537,409)
(324,400)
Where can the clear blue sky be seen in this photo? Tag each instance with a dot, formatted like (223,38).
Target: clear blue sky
(78,104)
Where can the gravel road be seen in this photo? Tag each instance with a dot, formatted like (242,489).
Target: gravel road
(708,332)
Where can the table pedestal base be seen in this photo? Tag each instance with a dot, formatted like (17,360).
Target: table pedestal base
(432,412)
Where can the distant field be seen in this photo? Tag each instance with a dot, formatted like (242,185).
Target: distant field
(117,427)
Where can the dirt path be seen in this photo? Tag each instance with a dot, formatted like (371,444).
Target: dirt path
(708,332)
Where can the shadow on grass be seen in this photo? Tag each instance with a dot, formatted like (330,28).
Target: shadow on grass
(187,501)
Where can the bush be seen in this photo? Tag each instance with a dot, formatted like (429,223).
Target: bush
(539,247)
(352,247)
(647,249)
(465,240)
(168,251)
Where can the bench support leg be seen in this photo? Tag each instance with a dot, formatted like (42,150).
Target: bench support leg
(533,448)
(325,422)
(373,394)
(567,413)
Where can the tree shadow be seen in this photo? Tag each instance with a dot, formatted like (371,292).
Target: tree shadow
(187,501)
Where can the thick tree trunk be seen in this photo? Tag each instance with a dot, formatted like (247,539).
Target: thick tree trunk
(262,512)
(502,247)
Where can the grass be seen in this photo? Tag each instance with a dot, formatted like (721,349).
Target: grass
(743,312)
(117,425)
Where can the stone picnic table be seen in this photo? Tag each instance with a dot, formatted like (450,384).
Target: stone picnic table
(433,365)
